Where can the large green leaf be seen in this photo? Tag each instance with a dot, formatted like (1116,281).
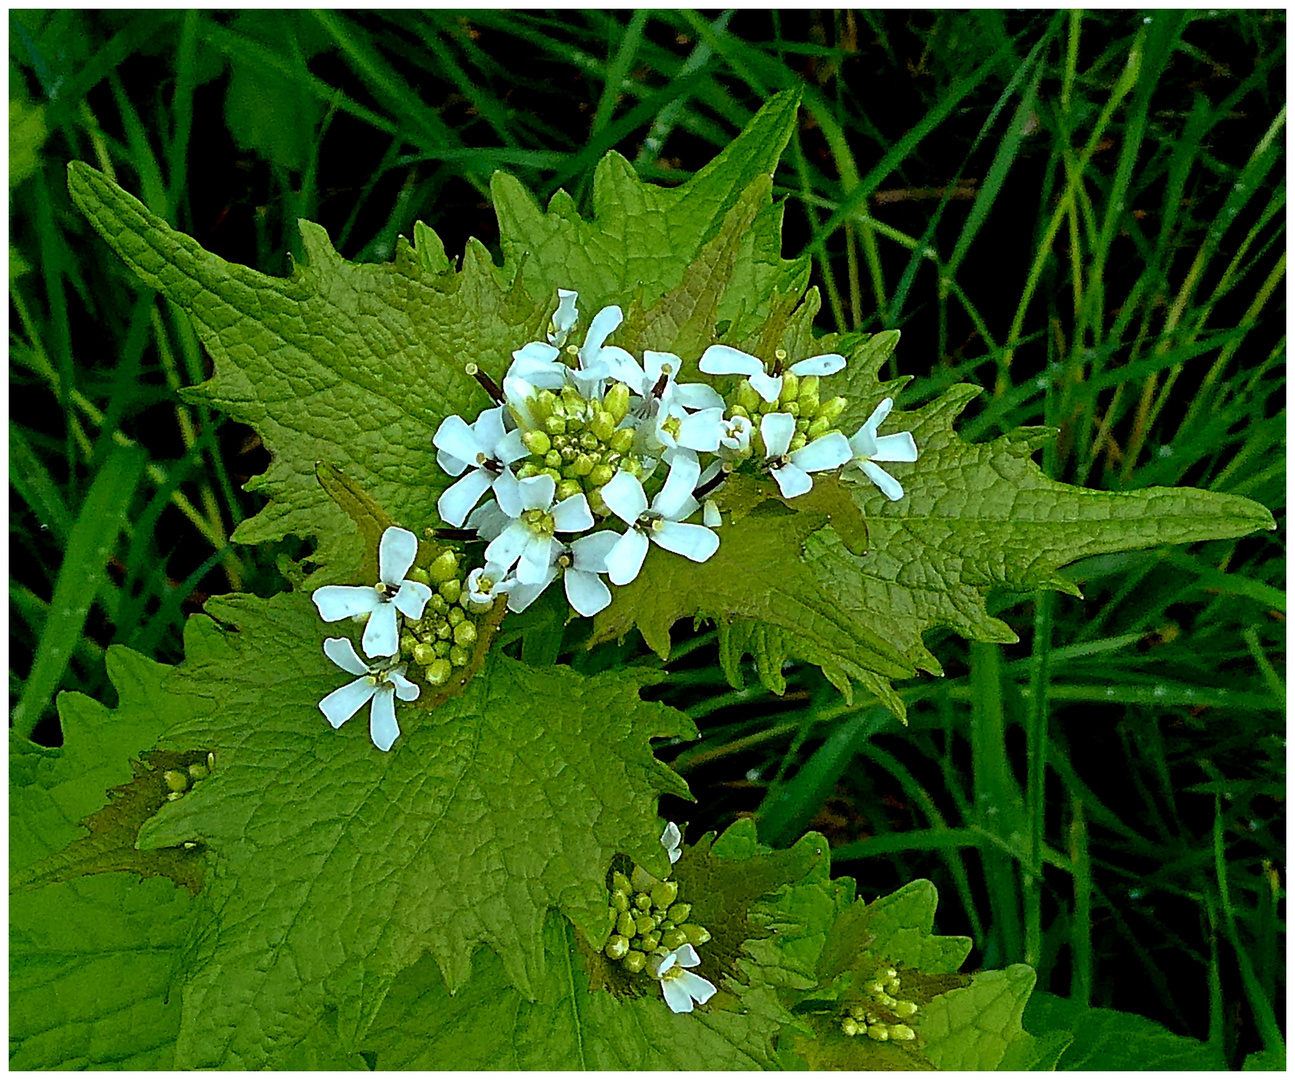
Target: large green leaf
(334,865)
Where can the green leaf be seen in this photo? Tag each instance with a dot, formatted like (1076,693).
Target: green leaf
(335,866)
(1106,1040)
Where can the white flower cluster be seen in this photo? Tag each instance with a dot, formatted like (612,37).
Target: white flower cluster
(573,452)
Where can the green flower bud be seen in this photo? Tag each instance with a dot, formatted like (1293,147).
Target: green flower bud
(818,428)
(738,410)
(567,488)
(459,656)
(528,470)
(697,935)
(874,988)
(176,781)
(600,474)
(902,1033)
(211,760)
(860,1013)
(679,913)
(454,616)
(603,426)
(664,894)
(808,396)
(199,772)
(633,466)
(850,1026)
(635,961)
(572,402)
(442,647)
(439,671)
(171,796)
(418,574)
(617,401)
(542,405)
(553,459)
(672,939)
(424,654)
(617,946)
(642,901)
(439,606)
(620,883)
(588,441)
(664,925)
(650,942)
(555,425)
(625,924)
(832,409)
(584,464)
(790,391)
(621,441)
(747,397)
(620,899)
(644,924)
(451,590)
(444,567)
(791,408)
(407,644)
(612,916)
(444,631)
(465,634)
(798,442)
(904,1009)
(878,1032)
(557,476)
(536,442)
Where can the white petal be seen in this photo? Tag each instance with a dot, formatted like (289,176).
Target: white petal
(827,364)
(863,444)
(383,729)
(520,395)
(600,329)
(825,452)
(624,497)
(656,364)
(699,989)
(508,495)
(538,365)
(687,956)
(696,396)
(586,592)
(674,497)
(536,492)
(506,548)
(572,514)
(792,481)
(520,596)
(450,463)
(510,448)
(488,520)
(589,553)
(676,995)
(662,964)
(622,367)
(346,701)
(405,690)
(489,428)
(565,316)
(725,360)
(695,542)
(342,653)
(900,447)
(890,487)
(455,437)
(457,500)
(768,387)
(671,838)
(702,430)
(338,601)
(776,429)
(396,551)
(380,636)
(878,416)
(710,515)
(412,598)
(537,557)
(626,558)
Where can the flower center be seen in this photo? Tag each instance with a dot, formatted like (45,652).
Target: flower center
(540,522)
(385,592)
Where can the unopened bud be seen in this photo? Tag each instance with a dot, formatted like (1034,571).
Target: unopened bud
(444,567)
(644,924)
(738,410)
(528,470)
(439,671)
(465,634)
(902,1033)
(198,772)
(418,574)
(642,901)
(904,1008)
(557,476)
(536,441)
(878,1032)
(176,781)
(454,616)
(665,894)
(555,425)
(620,883)
(746,397)
(617,946)
(850,1026)
(567,488)
(553,459)
(625,924)
(572,402)
(790,389)
(407,643)
(620,899)
(818,428)
(635,961)
(583,464)
(798,442)
(603,426)
(622,440)
(617,401)
(679,913)
(808,396)
(450,589)
(673,939)
(791,408)
(600,474)
(832,409)
(650,942)
(697,935)
(424,654)
(459,656)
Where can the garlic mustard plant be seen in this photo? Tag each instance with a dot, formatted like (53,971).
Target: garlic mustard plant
(380,683)
(680,986)
(866,447)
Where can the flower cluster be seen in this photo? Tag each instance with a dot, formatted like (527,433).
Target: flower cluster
(587,459)
(651,931)
(882,1017)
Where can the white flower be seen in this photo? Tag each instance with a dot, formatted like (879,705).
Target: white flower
(680,987)
(487,582)
(866,447)
(485,447)
(564,318)
(663,521)
(528,540)
(792,470)
(380,602)
(382,683)
(579,563)
(725,360)
(671,838)
(537,366)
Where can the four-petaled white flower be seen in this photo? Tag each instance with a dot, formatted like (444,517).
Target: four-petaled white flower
(579,563)
(866,447)
(662,521)
(680,986)
(484,447)
(725,360)
(380,602)
(486,582)
(382,683)
(528,541)
(671,838)
(792,470)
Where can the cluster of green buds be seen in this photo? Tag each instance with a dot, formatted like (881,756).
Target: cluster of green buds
(579,442)
(444,638)
(648,923)
(800,396)
(882,1018)
(181,781)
